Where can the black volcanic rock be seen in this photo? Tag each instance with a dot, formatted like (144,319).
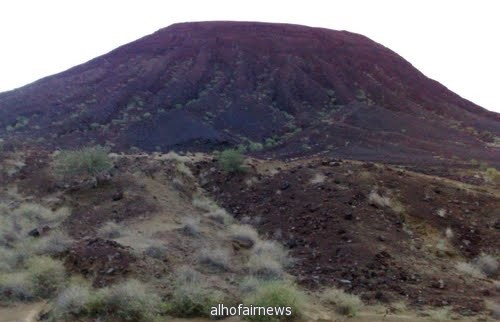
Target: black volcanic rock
(297,90)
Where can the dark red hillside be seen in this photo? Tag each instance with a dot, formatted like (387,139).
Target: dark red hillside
(296,90)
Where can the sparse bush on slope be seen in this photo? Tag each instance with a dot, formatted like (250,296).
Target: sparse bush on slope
(191,296)
(216,259)
(492,175)
(345,304)
(132,301)
(277,294)
(88,162)
(71,302)
(128,301)
(15,287)
(231,161)
(46,275)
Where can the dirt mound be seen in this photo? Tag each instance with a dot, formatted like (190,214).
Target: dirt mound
(296,90)
(102,260)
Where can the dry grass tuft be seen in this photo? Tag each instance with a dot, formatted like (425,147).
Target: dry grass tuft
(47,276)
(345,304)
(439,315)
(205,203)
(110,230)
(494,309)
(265,267)
(71,302)
(56,242)
(277,294)
(441,212)
(469,269)
(318,178)
(16,287)
(484,265)
(487,264)
(220,216)
(191,296)
(274,250)
(182,168)
(217,259)
(384,201)
(245,235)
(156,249)
(191,227)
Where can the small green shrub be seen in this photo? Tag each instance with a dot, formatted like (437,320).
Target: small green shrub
(270,142)
(232,161)
(345,304)
(13,258)
(47,276)
(131,301)
(97,303)
(71,302)
(492,175)
(15,287)
(87,162)
(277,294)
(7,260)
(255,146)
(191,296)
(128,301)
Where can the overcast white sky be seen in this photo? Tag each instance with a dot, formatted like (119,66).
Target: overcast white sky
(455,42)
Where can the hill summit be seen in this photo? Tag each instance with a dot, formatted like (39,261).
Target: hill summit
(280,89)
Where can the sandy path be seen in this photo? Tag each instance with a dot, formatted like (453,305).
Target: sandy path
(21,313)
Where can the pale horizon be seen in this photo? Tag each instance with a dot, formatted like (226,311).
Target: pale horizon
(452,42)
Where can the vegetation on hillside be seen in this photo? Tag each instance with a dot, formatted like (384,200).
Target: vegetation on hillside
(87,163)
(232,160)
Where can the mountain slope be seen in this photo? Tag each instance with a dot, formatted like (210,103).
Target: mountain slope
(296,90)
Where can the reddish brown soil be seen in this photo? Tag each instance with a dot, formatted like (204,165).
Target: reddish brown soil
(102,261)
(208,85)
(338,237)
(110,202)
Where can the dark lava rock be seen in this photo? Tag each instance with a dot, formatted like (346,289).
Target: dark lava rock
(34,233)
(117,196)
(285,185)
(348,216)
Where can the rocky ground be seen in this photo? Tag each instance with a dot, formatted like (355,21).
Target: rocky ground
(383,232)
